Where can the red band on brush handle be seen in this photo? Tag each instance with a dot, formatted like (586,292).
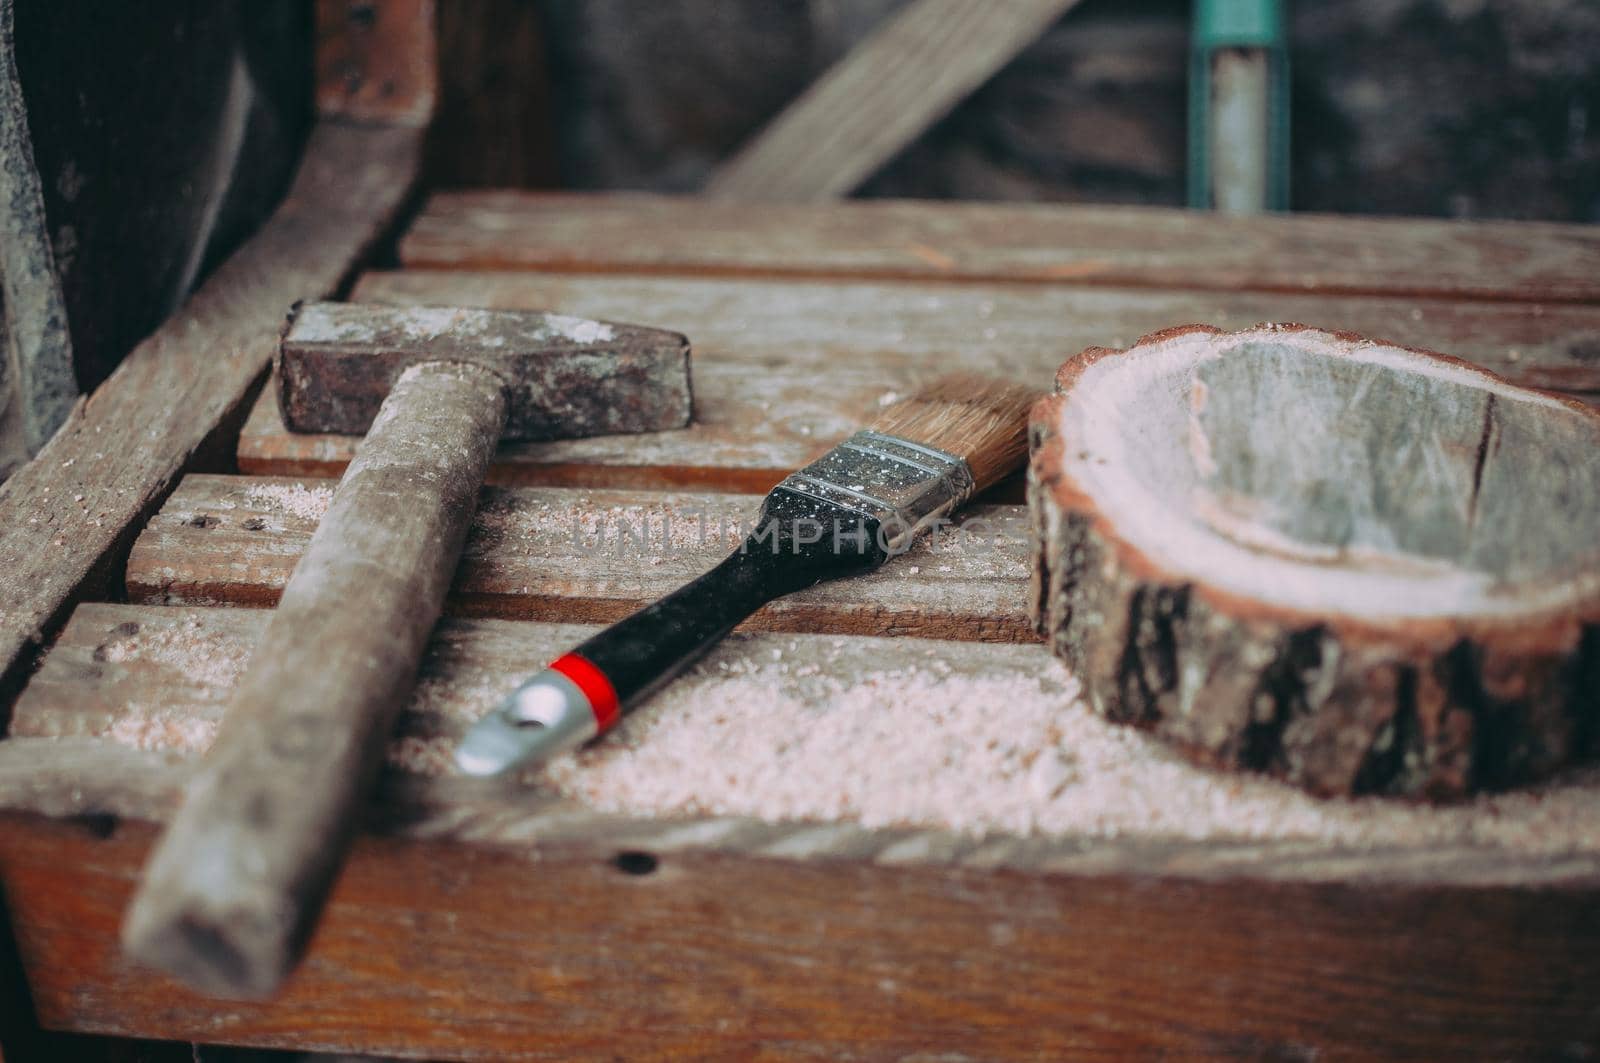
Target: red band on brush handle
(595,687)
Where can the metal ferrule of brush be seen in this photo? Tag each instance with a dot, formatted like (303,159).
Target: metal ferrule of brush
(544,717)
(904,486)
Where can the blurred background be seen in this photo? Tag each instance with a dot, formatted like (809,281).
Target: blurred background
(1465,108)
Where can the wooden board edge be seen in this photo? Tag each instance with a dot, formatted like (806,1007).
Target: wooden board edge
(421,248)
(443,950)
(853,119)
(95,780)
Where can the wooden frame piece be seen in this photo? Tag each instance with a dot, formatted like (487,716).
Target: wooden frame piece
(517,925)
(729,939)
(1013,243)
(591,556)
(880,97)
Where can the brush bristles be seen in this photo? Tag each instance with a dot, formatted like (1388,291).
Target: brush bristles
(978,418)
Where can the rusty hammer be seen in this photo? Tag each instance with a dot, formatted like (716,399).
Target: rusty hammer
(233,888)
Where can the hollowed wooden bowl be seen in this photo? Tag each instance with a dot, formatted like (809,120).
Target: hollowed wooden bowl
(1358,567)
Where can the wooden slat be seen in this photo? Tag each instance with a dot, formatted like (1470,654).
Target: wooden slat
(159,678)
(712,958)
(502,920)
(880,97)
(131,694)
(1120,246)
(488,954)
(64,516)
(783,368)
(587,556)
(93,780)
(1006,328)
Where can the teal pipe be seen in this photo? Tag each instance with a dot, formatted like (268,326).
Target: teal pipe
(1239,106)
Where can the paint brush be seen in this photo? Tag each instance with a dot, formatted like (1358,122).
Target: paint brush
(847,512)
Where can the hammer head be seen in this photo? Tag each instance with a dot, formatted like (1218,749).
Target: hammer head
(566,377)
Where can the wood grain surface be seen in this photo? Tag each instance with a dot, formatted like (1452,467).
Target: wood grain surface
(759,345)
(66,516)
(1002,327)
(452,951)
(1100,245)
(159,678)
(880,97)
(118,715)
(486,923)
(590,556)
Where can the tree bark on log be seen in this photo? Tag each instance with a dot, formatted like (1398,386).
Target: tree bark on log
(1357,567)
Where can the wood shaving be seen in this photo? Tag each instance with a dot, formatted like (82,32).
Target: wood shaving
(200,657)
(297,500)
(993,754)
(206,662)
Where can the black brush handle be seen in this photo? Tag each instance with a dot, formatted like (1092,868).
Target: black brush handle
(799,542)
(647,649)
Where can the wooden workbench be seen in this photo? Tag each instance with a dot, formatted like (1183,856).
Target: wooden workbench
(474,924)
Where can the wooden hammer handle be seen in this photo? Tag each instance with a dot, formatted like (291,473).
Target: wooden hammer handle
(232,891)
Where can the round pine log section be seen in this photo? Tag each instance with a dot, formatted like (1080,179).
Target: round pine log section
(1357,567)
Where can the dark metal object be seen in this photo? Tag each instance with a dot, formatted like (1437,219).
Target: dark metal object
(566,377)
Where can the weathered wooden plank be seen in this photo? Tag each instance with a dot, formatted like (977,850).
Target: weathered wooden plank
(880,97)
(588,556)
(760,347)
(95,781)
(740,746)
(1005,328)
(65,516)
(1099,245)
(159,678)
(487,954)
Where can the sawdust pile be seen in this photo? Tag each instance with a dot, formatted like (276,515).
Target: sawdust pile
(993,754)
(297,500)
(986,740)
